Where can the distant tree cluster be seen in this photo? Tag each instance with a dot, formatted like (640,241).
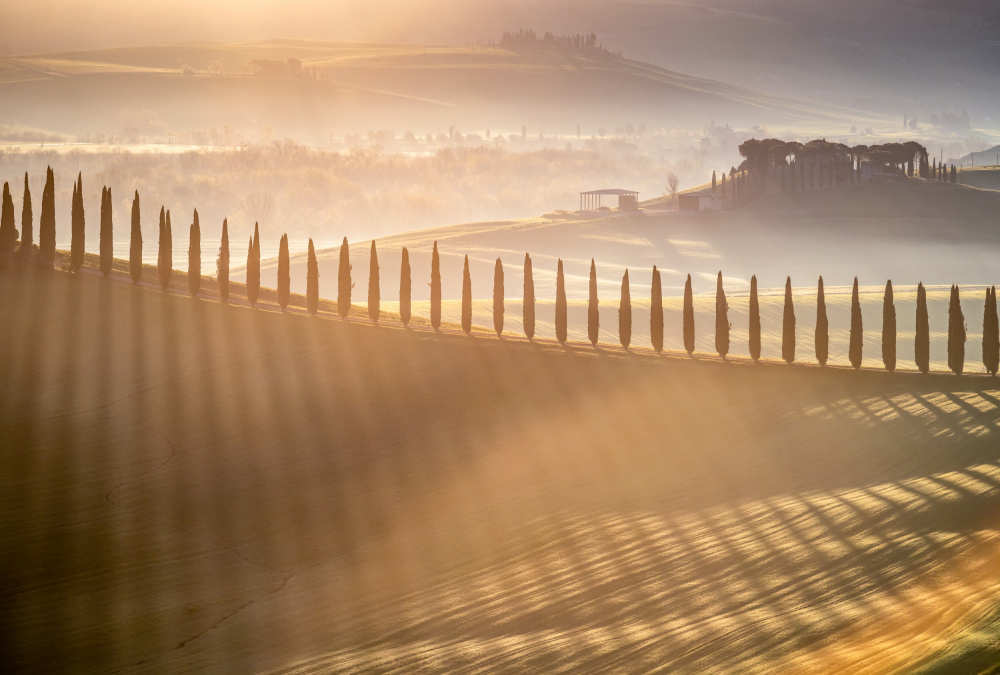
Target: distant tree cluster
(528,39)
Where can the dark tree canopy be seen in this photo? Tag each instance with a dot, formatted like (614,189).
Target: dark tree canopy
(529,299)
(788,325)
(593,313)
(27,233)
(253,267)
(922,340)
(656,312)
(47,222)
(284,273)
(344,283)
(822,326)
(991,333)
(77,241)
(404,288)
(135,243)
(466,298)
(107,233)
(560,303)
(312,280)
(498,297)
(688,326)
(889,329)
(222,263)
(722,324)
(754,320)
(856,346)
(435,288)
(625,314)
(194,256)
(8,230)
(374,287)
(956,333)
(165,254)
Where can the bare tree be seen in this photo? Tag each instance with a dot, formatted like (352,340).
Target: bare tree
(672,183)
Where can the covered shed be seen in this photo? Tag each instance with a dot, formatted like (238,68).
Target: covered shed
(628,200)
(699,201)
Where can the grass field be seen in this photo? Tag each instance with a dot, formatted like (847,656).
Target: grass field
(190,486)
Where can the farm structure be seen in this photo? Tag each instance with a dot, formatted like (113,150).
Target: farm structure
(628,200)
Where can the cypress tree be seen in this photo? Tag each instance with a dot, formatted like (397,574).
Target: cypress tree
(222,263)
(954,174)
(688,316)
(435,288)
(754,320)
(284,273)
(956,333)
(713,181)
(26,218)
(560,304)
(529,299)
(404,288)
(107,238)
(344,284)
(855,348)
(312,281)
(77,241)
(374,287)
(991,333)
(889,329)
(498,297)
(135,243)
(656,313)
(788,325)
(8,231)
(163,258)
(593,315)
(722,186)
(722,324)
(47,222)
(194,256)
(466,298)
(625,314)
(822,326)
(922,341)
(253,266)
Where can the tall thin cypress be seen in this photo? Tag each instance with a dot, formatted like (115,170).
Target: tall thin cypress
(163,262)
(344,284)
(922,341)
(688,317)
(529,299)
(194,256)
(284,273)
(374,287)
(788,325)
(889,329)
(312,281)
(466,298)
(956,333)
(593,314)
(722,324)
(78,231)
(856,346)
(560,303)
(713,182)
(754,320)
(222,263)
(435,288)
(26,218)
(8,230)
(625,314)
(404,288)
(498,297)
(47,222)
(135,243)
(656,312)
(107,233)
(253,266)
(991,333)
(822,326)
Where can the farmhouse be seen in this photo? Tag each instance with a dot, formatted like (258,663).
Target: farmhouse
(628,200)
(699,201)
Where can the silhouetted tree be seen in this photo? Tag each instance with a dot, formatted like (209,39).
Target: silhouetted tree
(854,350)
(922,341)
(625,314)
(78,231)
(165,257)
(498,297)
(253,266)
(435,288)
(822,326)
(954,174)
(312,280)
(404,288)
(107,234)
(135,243)
(688,317)
(656,313)
(466,298)
(722,324)
(788,325)
(284,273)
(754,320)
(593,314)
(194,257)
(222,263)
(991,333)
(722,186)
(26,218)
(47,222)
(560,303)
(8,230)
(889,329)
(713,181)
(956,333)
(344,284)
(374,287)
(529,299)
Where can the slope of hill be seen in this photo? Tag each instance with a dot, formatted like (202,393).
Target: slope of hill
(191,487)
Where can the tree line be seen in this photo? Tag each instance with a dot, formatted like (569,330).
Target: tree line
(44,255)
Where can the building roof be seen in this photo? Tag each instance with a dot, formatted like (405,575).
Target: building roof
(703,193)
(611,191)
